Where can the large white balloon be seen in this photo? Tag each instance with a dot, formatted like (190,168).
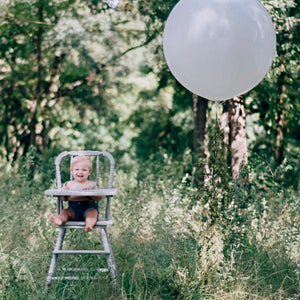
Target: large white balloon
(219,49)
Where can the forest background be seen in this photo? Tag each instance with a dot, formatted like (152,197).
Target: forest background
(208,203)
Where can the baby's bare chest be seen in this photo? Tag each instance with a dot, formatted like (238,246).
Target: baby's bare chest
(73,185)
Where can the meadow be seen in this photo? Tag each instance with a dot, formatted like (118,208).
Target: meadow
(165,244)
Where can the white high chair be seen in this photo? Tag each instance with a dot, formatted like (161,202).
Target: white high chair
(101,224)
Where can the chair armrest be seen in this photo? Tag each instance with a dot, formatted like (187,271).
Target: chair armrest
(62,192)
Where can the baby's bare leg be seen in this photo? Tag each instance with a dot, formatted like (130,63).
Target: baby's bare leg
(91,219)
(63,217)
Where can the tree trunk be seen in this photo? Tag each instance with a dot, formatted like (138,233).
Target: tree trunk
(37,94)
(237,137)
(279,129)
(225,126)
(200,128)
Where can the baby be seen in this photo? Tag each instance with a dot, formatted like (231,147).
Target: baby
(80,207)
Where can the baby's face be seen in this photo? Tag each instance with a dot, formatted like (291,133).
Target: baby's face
(81,171)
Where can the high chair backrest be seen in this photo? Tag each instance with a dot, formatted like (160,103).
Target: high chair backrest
(96,154)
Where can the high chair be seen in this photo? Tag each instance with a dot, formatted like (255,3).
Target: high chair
(107,191)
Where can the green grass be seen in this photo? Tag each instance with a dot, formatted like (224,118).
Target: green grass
(161,245)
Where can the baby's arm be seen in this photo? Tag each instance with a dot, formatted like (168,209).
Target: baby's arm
(65,187)
(94,198)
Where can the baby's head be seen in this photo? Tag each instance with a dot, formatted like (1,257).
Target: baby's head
(82,159)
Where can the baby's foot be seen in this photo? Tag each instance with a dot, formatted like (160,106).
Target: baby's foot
(88,228)
(54,219)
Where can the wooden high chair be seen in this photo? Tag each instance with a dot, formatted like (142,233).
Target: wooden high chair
(107,192)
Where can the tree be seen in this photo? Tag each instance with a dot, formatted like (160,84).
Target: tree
(234,126)
(276,98)
(47,65)
(200,131)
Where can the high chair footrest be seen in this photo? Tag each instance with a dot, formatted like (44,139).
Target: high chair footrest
(81,252)
(75,278)
(99,270)
(81,224)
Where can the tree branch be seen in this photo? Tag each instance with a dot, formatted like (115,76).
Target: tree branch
(118,56)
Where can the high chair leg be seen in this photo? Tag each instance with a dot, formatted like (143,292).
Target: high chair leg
(53,264)
(110,257)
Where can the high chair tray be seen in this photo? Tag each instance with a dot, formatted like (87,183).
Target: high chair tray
(100,192)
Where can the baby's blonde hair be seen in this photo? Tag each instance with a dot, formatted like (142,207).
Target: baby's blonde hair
(81,158)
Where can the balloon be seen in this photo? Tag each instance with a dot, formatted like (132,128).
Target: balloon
(219,49)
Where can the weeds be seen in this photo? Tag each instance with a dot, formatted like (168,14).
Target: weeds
(163,248)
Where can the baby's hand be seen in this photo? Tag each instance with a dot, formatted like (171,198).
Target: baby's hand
(88,187)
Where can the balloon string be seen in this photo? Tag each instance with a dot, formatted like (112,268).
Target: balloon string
(215,146)
(217,104)
(214,152)
(217,127)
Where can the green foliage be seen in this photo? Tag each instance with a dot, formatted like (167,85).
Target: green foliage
(158,130)
(162,246)
(276,98)
(54,56)
(24,237)
(208,261)
(217,192)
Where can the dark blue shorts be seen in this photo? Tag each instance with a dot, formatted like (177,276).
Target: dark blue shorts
(81,208)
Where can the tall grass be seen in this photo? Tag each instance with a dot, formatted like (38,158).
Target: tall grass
(163,246)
